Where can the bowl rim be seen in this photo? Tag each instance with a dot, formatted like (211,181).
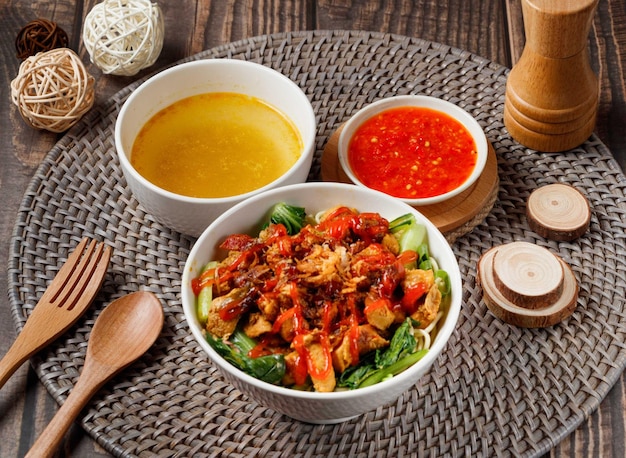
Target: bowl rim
(426,101)
(308,147)
(437,347)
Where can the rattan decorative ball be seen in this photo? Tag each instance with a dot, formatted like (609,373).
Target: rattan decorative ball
(124,36)
(38,36)
(53,90)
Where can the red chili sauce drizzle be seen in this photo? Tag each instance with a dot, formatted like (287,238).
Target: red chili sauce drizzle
(268,267)
(412,152)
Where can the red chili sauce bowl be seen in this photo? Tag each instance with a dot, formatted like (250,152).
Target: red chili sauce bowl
(420,149)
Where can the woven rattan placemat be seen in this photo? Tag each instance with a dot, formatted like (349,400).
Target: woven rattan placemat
(496,390)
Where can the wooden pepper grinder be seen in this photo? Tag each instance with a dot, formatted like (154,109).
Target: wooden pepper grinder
(552,92)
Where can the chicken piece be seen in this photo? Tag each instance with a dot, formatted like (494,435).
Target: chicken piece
(322,265)
(257,325)
(215,324)
(379,315)
(354,284)
(269,306)
(287,329)
(369,339)
(416,285)
(318,359)
(291,359)
(369,260)
(416,276)
(427,312)
(275,254)
(342,356)
(284,301)
(391,243)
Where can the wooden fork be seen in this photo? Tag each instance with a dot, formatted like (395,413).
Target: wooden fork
(64,301)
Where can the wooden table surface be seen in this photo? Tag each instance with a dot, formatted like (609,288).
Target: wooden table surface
(490,28)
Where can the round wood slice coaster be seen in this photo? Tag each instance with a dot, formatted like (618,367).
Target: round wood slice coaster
(558,212)
(448,216)
(526,285)
(526,276)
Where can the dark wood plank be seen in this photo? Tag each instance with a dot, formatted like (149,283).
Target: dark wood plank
(515,29)
(452,23)
(603,432)
(608,57)
(24,408)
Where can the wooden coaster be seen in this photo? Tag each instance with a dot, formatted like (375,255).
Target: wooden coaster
(447,216)
(526,285)
(558,212)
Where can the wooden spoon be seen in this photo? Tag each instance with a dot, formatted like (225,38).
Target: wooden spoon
(122,333)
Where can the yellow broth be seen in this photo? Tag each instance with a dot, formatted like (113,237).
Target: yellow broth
(216,145)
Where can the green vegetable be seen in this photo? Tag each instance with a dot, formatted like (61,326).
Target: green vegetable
(403,342)
(205,298)
(378,365)
(353,376)
(270,368)
(409,232)
(393,369)
(242,341)
(424,261)
(291,216)
(442,280)
(401,222)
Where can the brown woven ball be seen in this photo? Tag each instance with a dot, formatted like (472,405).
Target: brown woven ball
(53,90)
(38,36)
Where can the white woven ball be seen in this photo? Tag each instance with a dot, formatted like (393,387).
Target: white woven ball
(53,90)
(123,37)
